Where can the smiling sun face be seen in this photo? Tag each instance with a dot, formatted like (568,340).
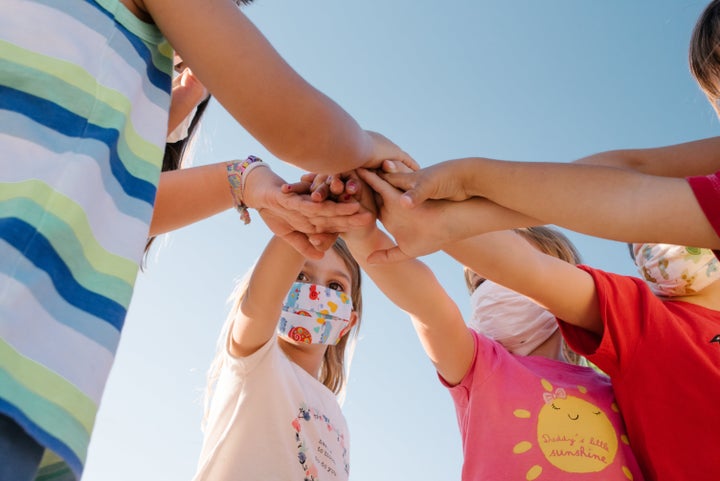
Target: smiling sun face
(574,435)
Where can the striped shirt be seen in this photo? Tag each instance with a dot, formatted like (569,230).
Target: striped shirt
(84,95)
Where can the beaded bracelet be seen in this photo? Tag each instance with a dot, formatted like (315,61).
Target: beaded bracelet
(237,173)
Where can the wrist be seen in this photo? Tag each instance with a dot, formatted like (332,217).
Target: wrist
(471,172)
(238,174)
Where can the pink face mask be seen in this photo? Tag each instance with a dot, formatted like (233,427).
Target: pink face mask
(315,314)
(511,319)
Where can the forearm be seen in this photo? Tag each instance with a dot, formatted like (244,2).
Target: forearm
(507,259)
(412,287)
(291,118)
(410,284)
(700,157)
(612,203)
(271,278)
(186,196)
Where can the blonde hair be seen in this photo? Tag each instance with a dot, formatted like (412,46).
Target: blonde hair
(704,54)
(336,361)
(553,243)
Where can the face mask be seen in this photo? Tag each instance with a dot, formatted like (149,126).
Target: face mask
(511,319)
(181,131)
(672,270)
(315,314)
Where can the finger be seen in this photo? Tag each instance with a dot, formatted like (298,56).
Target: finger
(301,243)
(308,177)
(323,241)
(394,167)
(378,184)
(310,208)
(320,193)
(387,256)
(318,180)
(409,162)
(341,223)
(400,180)
(301,187)
(337,185)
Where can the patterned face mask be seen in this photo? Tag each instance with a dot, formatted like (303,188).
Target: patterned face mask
(511,319)
(315,314)
(672,270)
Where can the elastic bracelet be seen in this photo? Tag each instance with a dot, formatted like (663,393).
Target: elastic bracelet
(237,173)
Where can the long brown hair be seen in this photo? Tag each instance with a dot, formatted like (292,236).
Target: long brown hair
(704,54)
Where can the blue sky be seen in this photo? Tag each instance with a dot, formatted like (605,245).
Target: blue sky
(520,80)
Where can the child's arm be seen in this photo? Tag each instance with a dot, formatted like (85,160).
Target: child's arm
(700,157)
(503,257)
(259,312)
(237,64)
(606,202)
(509,260)
(188,195)
(412,286)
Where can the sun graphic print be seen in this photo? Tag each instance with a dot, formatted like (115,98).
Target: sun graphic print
(573,434)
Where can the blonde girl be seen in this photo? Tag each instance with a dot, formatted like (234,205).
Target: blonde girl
(272,408)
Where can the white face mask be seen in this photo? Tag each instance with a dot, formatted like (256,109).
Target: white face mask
(315,314)
(182,130)
(672,270)
(511,319)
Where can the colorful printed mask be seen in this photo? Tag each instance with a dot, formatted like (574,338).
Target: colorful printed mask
(509,318)
(672,270)
(315,314)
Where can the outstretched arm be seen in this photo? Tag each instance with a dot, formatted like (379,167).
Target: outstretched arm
(699,157)
(509,260)
(188,195)
(503,257)
(271,279)
(413,287)
(238,65)
(443,221)
(612,203)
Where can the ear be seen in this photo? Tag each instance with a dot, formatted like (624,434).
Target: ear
(353,319)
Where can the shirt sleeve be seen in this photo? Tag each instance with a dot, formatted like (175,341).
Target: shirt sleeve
(621,301)
(707,192)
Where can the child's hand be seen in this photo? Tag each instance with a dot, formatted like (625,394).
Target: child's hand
(417,233)
(384,149)
(322,186)
(310,227)
(445,180)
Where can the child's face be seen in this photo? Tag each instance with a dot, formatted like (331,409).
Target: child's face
(330,271)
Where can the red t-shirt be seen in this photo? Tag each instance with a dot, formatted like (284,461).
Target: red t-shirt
(664,361)
(707,191)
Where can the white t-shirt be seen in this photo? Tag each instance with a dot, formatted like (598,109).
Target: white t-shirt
(272,421)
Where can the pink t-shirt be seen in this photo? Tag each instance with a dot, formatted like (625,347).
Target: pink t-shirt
(707,191)
(530,417)
(664,361)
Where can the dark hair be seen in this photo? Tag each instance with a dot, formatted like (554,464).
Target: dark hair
(175,154)
(704,55)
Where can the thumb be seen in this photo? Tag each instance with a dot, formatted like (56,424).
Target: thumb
(413,197)
(387,256)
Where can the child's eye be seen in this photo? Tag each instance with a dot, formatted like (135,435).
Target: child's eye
(336,286)
(302,277)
